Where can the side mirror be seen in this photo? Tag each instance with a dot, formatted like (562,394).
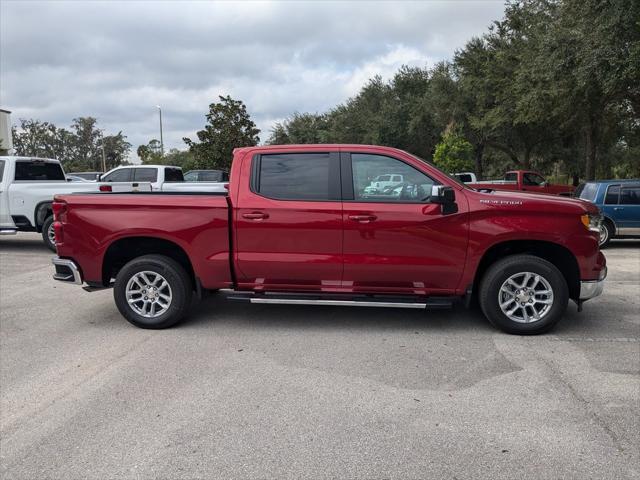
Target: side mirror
(442,194)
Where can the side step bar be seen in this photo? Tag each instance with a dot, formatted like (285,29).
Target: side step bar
(381,301)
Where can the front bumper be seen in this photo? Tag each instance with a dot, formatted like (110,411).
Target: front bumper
(593,288)
(66,271)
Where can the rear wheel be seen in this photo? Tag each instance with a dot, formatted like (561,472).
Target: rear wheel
(523,295)
(48,234)
(153,291)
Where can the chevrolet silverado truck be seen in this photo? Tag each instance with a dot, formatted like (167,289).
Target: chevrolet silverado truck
(165,178)
(525,181)
(298,226)
(27,187)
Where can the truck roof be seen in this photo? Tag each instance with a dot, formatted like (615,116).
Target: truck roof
(40,159)
(315,146)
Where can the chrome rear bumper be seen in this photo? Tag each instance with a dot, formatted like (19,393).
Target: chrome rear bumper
(592,288)
(66,271)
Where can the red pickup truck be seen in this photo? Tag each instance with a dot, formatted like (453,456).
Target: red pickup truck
(526,181)
(302,224)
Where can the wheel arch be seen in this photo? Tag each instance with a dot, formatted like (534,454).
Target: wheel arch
(125,249)
(606,218)
(41,212)
(555,253)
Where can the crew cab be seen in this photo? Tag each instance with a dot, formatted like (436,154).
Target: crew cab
(526,181)
(27,187)
(164,178)
(297,226)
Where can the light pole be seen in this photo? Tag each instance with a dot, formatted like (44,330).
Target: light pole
(161,140)
(104,161)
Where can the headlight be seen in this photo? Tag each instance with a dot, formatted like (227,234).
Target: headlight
(592,222)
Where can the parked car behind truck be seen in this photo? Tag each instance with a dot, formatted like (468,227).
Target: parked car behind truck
(525,181)
(165,178)
(27,187)
(298,227)
(619,201)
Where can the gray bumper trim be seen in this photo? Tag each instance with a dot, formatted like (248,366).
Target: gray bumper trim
(66,271)
(592,288)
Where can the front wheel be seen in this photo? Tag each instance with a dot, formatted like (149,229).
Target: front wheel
(523,295)
(153,291)
(606,233)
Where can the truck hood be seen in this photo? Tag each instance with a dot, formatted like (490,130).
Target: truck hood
(534,201)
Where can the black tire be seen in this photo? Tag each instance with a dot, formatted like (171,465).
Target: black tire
(48,224)
(181,290)
(607,232)
(497,275)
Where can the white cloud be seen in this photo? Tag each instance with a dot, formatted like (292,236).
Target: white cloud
(118,60)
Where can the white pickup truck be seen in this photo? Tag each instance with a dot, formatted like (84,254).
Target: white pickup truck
(163,178)
(27,187)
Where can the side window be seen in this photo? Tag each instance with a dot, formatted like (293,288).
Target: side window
(297,176)
(412,185)
(1,169)
(511,177)
(532,179)
(211,176)
(630,196)
(173,175)
(34,170)
(613,192)
(145,175)
(122,175)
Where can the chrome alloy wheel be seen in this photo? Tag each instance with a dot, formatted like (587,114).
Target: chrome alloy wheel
(51,233)
(525,297)
(148,294)
(604,234)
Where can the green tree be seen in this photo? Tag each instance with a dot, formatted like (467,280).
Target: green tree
(454,153)
(79,148)
(228,126)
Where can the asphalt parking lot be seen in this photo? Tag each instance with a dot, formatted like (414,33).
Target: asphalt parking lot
(248,391)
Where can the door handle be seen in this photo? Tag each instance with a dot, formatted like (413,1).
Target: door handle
(255,216)
(362,218)
(618,208)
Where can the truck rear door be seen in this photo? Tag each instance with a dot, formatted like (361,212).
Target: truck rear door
(288,224)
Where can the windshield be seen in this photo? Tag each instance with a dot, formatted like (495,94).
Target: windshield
(587,191)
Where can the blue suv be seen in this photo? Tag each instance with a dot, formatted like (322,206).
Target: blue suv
(619,201)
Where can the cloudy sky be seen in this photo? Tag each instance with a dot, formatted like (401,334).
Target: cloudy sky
(118,60)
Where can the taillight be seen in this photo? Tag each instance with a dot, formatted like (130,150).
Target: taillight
(106,188)
(58,209)
(58,232)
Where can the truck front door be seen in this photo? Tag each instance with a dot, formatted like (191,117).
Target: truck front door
(289,222)
(396,241)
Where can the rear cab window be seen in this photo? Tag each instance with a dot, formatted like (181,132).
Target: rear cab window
(38,171)
(511,177)
(173,175)
(297,176)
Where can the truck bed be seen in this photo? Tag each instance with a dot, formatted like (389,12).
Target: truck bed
(196,222)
